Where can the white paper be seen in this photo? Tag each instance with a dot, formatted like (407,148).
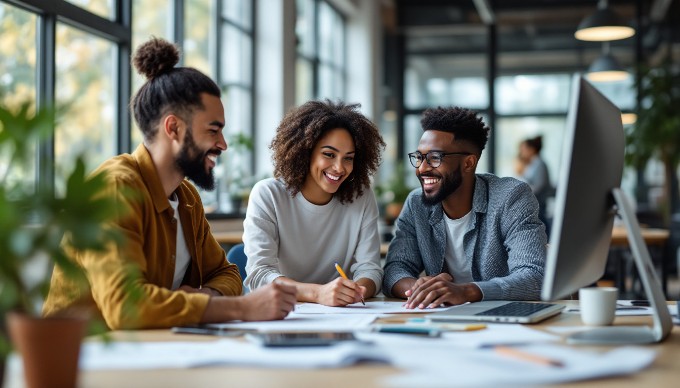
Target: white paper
(163,355)
(372,307)
(307,322)
(484,367)
(494,334)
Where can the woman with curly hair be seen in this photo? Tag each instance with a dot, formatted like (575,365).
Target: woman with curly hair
(319,208)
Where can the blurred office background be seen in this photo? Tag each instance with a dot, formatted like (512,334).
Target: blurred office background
(512,60)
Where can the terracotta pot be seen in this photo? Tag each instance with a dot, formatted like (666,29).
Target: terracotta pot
(3,356)
(392,211)
(49,348)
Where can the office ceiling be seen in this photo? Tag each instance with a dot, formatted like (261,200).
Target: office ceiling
(533,36)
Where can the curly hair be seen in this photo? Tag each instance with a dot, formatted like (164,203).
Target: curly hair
(302,128)
(463,123)
(167,88)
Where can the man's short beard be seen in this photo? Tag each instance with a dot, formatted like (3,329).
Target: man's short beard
(193,166)
(449,184)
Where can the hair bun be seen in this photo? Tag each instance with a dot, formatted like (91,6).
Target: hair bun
(155,57)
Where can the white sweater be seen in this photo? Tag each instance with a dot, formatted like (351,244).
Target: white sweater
(292,237)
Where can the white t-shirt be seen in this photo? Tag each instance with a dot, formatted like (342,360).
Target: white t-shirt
(292,237)
(459,265)
(182,258)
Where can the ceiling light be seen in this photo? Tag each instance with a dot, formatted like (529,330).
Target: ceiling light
(606,68)
(603,25)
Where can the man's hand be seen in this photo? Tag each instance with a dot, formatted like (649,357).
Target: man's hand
(340,292)
(273,301)
(429,292)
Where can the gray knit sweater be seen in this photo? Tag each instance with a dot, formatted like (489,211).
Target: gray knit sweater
(506,240)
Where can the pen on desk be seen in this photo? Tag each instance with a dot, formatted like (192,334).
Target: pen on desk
(522,355)
(342,273)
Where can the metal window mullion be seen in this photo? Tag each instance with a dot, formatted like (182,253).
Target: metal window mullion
(315,54)
(216,25)
(178,26)
(124,78)
(46,98)
(492,56)
(224,20)
(343,64)
(75,16)
(253,100)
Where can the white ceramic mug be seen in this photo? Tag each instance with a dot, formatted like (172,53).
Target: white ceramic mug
(598,305)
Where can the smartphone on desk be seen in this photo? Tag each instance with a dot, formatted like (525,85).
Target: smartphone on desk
(639,303)
(288,339)
(418,330)
(210,330)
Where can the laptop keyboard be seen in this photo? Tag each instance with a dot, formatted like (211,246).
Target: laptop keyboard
(516,309)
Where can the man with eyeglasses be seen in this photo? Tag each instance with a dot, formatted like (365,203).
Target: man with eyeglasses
(475,236)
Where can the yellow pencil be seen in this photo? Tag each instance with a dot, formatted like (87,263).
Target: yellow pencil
(522,355)
(342,273)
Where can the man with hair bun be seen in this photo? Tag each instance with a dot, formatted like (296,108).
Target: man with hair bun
(183,275)
(476,236)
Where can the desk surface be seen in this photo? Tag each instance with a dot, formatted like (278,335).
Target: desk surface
(662,373)
(619,237)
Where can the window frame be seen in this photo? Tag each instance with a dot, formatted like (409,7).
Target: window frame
(314,58)
(117,31)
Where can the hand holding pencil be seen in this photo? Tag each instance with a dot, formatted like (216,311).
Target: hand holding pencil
(344,276)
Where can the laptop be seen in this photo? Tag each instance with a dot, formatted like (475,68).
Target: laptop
(498,311)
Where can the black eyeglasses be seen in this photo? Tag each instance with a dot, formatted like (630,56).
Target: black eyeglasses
(433,158)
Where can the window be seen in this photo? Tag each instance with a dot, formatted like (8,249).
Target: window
(86,100)
(320,65)
(49,61)
(17,73)
(532,93)
(235,77)
(198,35)
(150,18)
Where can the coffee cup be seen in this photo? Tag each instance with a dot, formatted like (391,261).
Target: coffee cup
(598,305)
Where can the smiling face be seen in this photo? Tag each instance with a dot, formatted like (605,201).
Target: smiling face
(203,143)
(439,183)
(331,162)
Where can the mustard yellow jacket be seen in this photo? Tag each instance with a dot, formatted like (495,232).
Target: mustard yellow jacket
(150,230)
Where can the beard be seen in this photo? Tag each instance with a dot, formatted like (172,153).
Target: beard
(191,161)
(447,186)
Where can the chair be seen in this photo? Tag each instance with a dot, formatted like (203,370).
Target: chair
(237,256)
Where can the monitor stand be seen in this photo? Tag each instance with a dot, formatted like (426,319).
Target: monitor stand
(663,324)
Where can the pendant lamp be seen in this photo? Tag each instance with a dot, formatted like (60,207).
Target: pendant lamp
(603,25)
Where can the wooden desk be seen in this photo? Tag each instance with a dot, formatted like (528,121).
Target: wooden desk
(656,240)
(652,236)
(656,237)
(230,238)
(662,373)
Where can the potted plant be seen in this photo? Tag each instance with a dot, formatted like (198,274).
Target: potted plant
(393,194)
(656,133)
(239,182)
(37,229)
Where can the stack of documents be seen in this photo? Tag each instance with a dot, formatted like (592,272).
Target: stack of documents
(164,355)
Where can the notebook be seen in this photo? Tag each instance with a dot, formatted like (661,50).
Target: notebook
(498,311)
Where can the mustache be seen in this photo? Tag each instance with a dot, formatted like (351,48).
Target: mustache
(216,152)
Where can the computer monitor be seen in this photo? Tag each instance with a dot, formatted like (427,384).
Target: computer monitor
(588,198)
